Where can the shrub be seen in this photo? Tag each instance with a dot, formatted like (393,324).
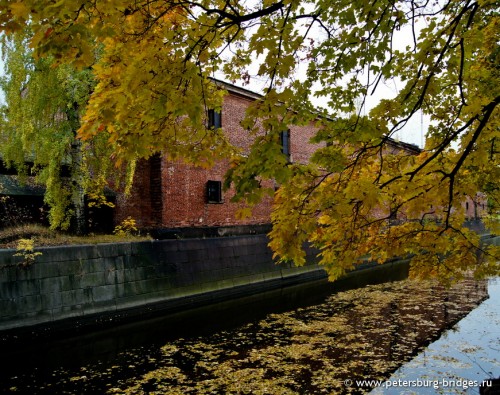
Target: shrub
(26,249)
(127,227)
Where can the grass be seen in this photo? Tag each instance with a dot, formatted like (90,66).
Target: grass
(44,236)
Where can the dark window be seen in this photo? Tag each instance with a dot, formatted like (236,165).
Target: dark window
(214,191)
(285,143)
(214,119)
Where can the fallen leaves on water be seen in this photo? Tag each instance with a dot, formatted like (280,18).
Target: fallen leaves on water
(362,333)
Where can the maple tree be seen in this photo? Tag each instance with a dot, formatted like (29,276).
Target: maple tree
(355,198)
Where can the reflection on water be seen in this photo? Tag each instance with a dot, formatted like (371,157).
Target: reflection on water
(354,334)
(461,359)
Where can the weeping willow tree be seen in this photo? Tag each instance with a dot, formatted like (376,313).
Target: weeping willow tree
(39,120)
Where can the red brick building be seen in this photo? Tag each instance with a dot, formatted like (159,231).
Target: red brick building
(172,194)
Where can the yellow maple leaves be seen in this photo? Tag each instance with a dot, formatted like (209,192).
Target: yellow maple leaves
(359,197)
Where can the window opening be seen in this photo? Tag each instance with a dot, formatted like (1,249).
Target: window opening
(214,119)
(285,143)
(214,191)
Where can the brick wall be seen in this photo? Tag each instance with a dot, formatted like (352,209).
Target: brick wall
(138,204)
(476,207)
(185,202)
(183,188)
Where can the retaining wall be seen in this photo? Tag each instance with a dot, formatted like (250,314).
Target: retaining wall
(83,285)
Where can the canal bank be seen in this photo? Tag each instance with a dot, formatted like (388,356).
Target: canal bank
(86,286)
(83,287)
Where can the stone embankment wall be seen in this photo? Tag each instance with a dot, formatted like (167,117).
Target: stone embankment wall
(84,285)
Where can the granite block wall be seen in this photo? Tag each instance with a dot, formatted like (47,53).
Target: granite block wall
(88,281)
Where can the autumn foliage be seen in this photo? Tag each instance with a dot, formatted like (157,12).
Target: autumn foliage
(356,199)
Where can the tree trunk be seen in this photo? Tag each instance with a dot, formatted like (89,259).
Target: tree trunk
(78,191)
(77,174)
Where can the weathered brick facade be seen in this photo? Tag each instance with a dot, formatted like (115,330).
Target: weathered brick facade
(172,194)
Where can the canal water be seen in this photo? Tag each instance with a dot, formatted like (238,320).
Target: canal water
(315,338)
(460,360)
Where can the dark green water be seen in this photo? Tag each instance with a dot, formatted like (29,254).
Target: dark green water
(303,339)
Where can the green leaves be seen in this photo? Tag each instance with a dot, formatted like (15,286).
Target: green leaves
(361,195)
(39,124)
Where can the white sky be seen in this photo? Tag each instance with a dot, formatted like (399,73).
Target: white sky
(414,131)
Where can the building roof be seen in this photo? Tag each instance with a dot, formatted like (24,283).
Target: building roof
(237,90)
(411,148)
